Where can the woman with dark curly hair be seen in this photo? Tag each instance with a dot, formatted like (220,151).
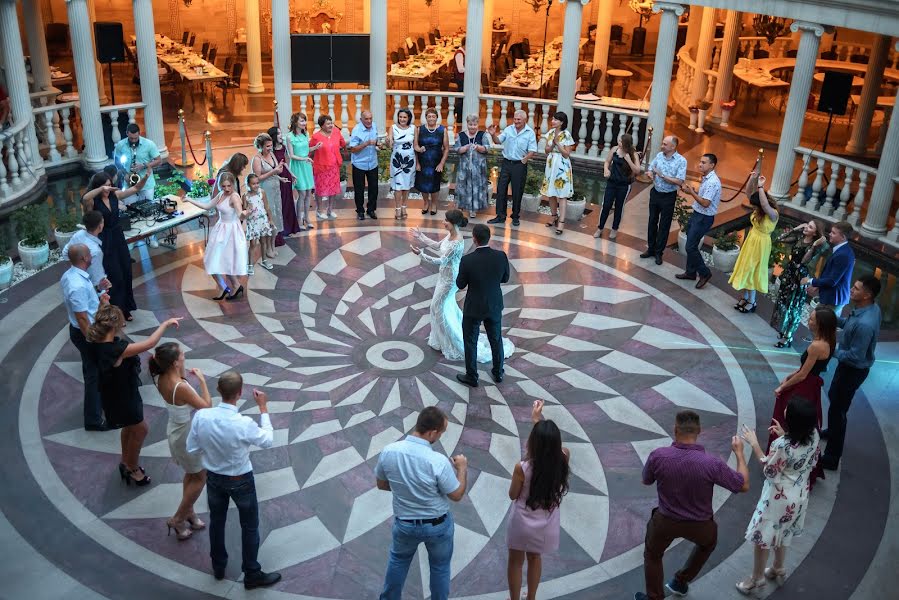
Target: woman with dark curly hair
(780,513)
(538,484)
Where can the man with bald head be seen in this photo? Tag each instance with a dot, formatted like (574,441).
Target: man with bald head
(82,300)
(668,171)
(364,158)
(519,145)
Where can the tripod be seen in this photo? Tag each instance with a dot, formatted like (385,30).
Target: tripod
(543,58)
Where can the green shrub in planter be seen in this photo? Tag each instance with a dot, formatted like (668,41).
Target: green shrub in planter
(682,212)
(66,223)
(4,245)
(384,155)
(726,241)
(343,172)
(534,181)
(200,188)
(169,187)
(31,224)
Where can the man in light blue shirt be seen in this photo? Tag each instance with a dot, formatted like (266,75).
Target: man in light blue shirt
(855,356)
(705,207)
(82,299)
(519,145)
(90,237)
(137,154)
(668,171)
(223,437)
(364,145)
(422,482)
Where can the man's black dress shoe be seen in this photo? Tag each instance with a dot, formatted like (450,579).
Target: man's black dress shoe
(360,217)
(101,427)
(372,215)
(647,254)
(497,220)
(825,434)
(260,579)
(685,276)
(466,380)
(702,281)
(497,378)
(218,574)
(829,464)
(516,222)
(659,259)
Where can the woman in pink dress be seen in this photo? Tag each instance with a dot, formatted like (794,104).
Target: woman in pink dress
(225,258)
(326,163)
(538,484)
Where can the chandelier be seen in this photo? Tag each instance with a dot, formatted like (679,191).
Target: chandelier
(535,4)
(187,2)
(643,8)
(770,27)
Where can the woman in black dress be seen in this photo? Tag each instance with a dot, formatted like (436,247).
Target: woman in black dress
(119,366)
(102,196)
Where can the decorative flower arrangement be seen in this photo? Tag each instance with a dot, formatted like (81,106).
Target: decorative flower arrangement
(693,108)
(704,105)
(729,105)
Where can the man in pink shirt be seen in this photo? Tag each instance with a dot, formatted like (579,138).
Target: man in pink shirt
(685,477)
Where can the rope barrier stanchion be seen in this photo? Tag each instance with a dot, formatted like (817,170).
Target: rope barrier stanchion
(199,162)
(275,121)
(756,170)
(208,137)
(184,163)
(643,177)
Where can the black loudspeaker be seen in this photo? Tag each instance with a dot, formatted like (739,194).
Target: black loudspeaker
(835,92)
(109,39)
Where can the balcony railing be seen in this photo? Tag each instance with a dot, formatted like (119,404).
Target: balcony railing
(18,171)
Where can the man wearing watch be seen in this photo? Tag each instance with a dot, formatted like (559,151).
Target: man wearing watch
(136,154)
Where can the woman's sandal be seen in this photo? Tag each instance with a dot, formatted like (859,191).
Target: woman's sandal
(778,575)
(747,308)
(560,227)
(784,344)
(554,222)
(745,587)
(743,302)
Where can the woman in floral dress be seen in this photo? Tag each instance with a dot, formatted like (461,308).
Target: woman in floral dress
(471,178)
(402,160)
(780,513)
(557,179)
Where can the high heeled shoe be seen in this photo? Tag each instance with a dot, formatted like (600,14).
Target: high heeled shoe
(182,534)
(424,211)
(746,586)
(123,471)
(784,344)
(236,295)
(742,302)
(138,482)
(747,308)
(195,523)
(554,222)
(222,296)
(778,575)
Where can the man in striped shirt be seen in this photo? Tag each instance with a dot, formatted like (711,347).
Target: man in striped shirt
(686,477)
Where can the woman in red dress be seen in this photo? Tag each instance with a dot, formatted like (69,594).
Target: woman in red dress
(326,163)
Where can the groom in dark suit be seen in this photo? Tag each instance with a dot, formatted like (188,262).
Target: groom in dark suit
(832,286)
(482,271)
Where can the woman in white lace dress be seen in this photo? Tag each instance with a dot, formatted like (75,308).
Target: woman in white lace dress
(446,316)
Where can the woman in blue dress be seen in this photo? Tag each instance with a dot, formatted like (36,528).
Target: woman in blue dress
(432,146)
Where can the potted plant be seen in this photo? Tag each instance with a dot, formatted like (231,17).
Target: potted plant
(576,205)
(694,116)
(682,214)
(704,107)
(5,260)
(200,189)
(384,155)
(726,107)
(168,187)
(66,226)
(725,251)
(31,225)
(343,176)
(530,201)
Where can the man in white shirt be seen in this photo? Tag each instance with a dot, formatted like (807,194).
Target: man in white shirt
(90,237)
(223,436)
(82,299)
(705,207)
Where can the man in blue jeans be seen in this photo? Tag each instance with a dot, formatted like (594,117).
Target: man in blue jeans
(705,207)
(421,481)
(223,436)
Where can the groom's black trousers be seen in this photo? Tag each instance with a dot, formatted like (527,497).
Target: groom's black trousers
(471,328)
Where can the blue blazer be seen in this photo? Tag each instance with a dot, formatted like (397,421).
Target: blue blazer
(836,278)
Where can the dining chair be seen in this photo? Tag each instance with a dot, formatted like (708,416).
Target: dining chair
(526,46)
(229,62)
(595,78)
(437,32)
(211,58)
(401,52)
(231,83)
(432,39)
(421,44)
(394,57)
(184,37)
(192,40)
(204,50)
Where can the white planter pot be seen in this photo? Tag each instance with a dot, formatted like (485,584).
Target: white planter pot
(384,190)
(725,260)
(700,122)
(574,210)
(682,242)
(5,274)
(693,117)
(530,203)
(34,258)
(62,237)
(725,117)
(202,199)
(342,189)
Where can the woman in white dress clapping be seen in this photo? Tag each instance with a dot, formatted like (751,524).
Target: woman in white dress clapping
(402,160)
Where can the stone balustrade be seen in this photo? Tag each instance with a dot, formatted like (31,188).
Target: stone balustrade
(18,176)
(832,188)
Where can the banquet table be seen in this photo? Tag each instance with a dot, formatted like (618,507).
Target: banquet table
(526,77)
(180,59)
(425,64)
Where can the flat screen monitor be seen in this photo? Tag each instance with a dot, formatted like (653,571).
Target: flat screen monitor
(349,58)
(310,58)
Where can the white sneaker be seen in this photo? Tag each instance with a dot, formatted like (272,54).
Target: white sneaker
(266,264)
(321,215)
(153,242)
(251,270)
(332,215)
(613,234)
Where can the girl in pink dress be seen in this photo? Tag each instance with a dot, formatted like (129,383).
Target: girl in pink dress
(225,257)
(538,484)
(326,163)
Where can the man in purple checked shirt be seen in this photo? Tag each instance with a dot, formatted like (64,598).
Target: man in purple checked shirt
(685,476)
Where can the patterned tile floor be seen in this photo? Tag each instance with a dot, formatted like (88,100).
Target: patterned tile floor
(336,335)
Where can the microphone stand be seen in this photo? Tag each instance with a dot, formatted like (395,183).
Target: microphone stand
(543,59)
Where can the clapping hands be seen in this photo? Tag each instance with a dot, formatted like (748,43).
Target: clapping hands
(537,411)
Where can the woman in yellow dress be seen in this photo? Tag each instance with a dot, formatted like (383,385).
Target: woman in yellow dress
(557,183)
(751,271)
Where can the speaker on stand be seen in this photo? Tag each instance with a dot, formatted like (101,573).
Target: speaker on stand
(834,97)
(110,41)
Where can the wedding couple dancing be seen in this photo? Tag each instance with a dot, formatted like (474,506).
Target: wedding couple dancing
(454,332)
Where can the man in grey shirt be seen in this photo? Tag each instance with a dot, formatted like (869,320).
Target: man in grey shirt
(422,482)
(855,356)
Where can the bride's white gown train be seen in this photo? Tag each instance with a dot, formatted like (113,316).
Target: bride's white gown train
(446,316)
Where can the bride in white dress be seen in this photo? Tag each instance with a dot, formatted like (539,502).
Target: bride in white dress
(446,316)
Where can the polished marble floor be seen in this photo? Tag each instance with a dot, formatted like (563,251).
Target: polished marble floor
(336,335)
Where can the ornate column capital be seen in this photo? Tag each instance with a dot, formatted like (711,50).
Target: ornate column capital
(815,28)
(583,2)
(677,9)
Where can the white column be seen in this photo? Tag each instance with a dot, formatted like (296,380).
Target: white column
(101,81)
(86,76)
(377,65)
(254,49)
(571,50)
(661,74)
(694,25)
(281,60)
(366,17)
(727,60)
(791,132)
(474,50)
(880,54)
(703,54)
(882,193)
(37,44)
(486,37)
(145,31)
(604,10)
(17,78)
